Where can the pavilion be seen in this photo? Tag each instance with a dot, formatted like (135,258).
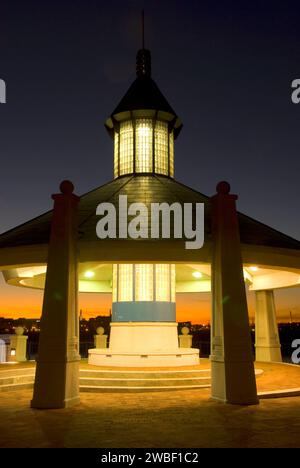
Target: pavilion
(144,275)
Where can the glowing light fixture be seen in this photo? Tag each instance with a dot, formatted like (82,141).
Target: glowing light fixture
(144,282)
(253,268)
(143,145)
(197,274)
(89,274)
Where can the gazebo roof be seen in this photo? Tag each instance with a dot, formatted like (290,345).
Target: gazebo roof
(145,189)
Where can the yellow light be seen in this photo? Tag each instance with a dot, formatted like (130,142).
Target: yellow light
(144,131)
(12,352)
(143,145)
(124,283)
(197,274)
(161,147)
(162,282)
(126,148)
(144,282)
(89,274)
(253,268)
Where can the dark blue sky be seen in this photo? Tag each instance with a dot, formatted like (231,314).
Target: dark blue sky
(226,67)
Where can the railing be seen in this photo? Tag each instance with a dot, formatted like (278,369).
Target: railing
(84,346)
(204,347)
(32,350)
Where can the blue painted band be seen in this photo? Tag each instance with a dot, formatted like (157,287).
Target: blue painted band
(144,311)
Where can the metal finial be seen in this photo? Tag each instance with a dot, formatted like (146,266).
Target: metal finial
(143,63)
(143,58)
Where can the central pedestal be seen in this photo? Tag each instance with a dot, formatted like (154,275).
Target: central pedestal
(144,344)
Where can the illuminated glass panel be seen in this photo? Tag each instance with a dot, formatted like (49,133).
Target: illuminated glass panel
(115,283)
(171,149)
(116,155)
(144,282)
(162,283)
(125,286)
(161,147)
(173,283)
(143,145)
(140,277)
(126,147)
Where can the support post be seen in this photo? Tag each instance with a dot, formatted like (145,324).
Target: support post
(56,382)
(267,344)
(233,377)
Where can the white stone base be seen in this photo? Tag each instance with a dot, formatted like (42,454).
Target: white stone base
(143,344)
(143,337)
(171,358)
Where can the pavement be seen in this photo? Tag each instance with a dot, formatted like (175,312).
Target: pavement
(173,419)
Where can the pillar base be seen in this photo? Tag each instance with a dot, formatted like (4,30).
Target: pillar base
(267,343)
(66,403)
(268,354)
(56,385)
(227,388)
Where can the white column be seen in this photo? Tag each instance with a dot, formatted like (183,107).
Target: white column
(267,344)
(232,368)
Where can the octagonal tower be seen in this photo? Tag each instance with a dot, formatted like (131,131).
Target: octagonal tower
(143,328)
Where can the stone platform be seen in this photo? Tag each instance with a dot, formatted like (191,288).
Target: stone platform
(103,379)
(273,379)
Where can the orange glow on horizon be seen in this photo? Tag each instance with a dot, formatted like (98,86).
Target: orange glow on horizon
(16,302)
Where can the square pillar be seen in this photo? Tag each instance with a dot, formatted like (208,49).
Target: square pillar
(57,371)
(267,344)
(232,368)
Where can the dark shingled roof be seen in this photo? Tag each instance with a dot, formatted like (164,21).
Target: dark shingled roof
(143,94)
(146,189)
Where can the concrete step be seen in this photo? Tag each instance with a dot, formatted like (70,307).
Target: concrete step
(145,375)
(16,379)
(15,386)
(137,383)
(17,372)
(122,389)
(92,380)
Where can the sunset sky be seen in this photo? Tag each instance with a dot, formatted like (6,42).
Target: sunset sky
(23,302)
(225,67)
